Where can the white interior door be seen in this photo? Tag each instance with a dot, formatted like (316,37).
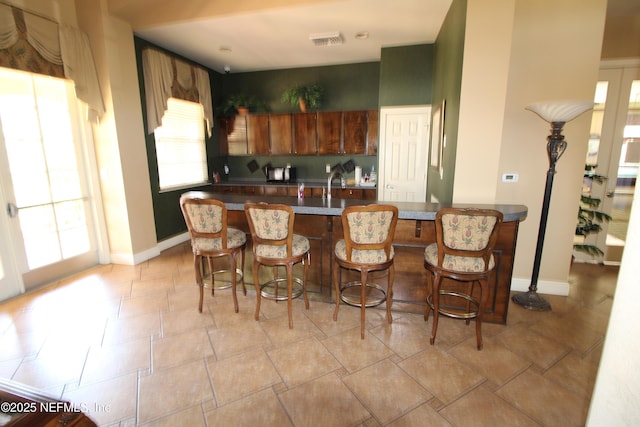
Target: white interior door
(404,149)
(45,188)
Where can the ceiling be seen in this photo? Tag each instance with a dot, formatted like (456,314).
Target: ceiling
(254,35)
(277,37)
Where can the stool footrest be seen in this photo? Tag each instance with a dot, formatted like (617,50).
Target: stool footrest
(457,314)
(268,289)
(224,283)
(355,299)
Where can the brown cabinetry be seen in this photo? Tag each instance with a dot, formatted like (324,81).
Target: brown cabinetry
(327,132)
(280,133)
(233,135)
(329,124)
(354,132)
(258,133)
(372,132)
(304,133)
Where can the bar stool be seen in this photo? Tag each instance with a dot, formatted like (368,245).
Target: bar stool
(211,238)
(366,247)
(275,244)
(463,252)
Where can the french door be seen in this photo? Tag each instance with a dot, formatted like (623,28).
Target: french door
(615,148)
(45,192)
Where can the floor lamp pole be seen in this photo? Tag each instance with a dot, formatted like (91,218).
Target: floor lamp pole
(555,147)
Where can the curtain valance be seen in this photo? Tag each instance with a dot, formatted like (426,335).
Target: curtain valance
(32,43)
(166,76)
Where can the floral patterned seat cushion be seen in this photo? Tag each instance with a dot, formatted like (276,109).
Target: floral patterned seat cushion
(205,218)
(300,247)
(235,239)
(362,256)
(463,232)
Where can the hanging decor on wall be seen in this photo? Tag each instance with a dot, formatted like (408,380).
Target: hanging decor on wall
(437,137)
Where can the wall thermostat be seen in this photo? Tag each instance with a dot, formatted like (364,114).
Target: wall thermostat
(510,177)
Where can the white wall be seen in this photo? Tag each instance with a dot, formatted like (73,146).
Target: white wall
(616,395)
(544,50)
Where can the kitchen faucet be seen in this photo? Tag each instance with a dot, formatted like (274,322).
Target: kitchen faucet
(334,174)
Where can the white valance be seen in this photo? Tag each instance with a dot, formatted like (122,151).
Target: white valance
(60,45)
(158,70)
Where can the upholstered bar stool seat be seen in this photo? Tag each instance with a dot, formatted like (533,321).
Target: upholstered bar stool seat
(276,245)
(366,248)
(211,238)
(463,252)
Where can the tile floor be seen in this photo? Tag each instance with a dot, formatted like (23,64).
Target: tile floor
(128,344)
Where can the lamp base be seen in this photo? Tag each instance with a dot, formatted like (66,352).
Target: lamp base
(531,301)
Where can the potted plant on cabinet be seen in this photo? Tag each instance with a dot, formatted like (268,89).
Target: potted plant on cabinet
(240,104)
(589,218)
(305,97)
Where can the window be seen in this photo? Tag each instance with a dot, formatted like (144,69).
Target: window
(180,147)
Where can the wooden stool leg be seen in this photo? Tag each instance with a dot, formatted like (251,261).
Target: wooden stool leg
(306,264)
(244,288)
(256,282)
(232,261)
(484,289)
(213,283)
(336,284)
(289,268)
(197,261)
(390,293)
(429,283)
(363,299)
(436,306)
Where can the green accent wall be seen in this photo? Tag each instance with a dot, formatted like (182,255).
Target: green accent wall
(447,81)
(346,87)
(406,75)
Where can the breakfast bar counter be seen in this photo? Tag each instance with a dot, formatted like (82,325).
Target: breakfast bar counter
(319,220)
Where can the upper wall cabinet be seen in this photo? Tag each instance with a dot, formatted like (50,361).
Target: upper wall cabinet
(354,132)
(304,133)
(258,133)
(329,132)
(280,133)
(334,132)
(232,135)
(372,132)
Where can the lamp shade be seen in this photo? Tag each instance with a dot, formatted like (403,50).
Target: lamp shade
(560,111)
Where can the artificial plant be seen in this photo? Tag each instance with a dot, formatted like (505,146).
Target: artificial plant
(304,96)
(589,217)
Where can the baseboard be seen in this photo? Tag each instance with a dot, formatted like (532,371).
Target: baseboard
(544,287)
(137,258)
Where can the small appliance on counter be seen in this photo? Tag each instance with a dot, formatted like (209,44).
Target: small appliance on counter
(280,174)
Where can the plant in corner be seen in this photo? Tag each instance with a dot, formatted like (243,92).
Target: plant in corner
(305,97)
(589,218)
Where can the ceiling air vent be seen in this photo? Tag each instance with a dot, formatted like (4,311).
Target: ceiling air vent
(326,39)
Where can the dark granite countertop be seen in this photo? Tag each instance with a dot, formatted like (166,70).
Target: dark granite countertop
(335,206)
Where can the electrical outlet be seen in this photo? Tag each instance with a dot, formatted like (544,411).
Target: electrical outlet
(327,168)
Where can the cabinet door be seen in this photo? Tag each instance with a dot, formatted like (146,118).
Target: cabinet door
(304,133)
(372,132)
(258,133)
(280,133)
(354,132)
(223,143)
(237,135)
(329,132)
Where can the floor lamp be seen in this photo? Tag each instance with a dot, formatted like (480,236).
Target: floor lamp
(557,114)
